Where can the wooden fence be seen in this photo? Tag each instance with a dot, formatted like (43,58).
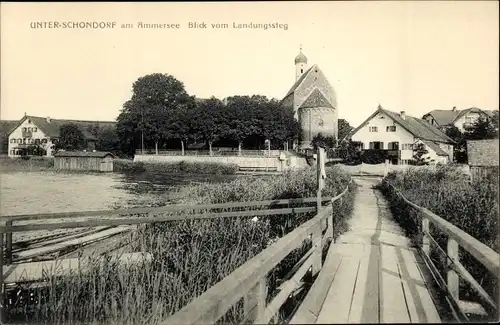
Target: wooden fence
(454,269)
(215,153)
(248,280)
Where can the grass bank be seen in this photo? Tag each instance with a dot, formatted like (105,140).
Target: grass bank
(189,256)
(470,205)
(128,166)
(34,164)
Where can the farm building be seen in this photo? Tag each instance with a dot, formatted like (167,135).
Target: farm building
(483,157)
(97,161)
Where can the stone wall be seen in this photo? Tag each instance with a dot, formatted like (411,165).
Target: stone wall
(290,162)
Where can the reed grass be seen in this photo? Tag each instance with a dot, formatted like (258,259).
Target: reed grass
(33,164)
(188,257)
(472,206)
(183,167)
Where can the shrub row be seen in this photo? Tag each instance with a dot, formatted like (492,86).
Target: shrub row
(127,166)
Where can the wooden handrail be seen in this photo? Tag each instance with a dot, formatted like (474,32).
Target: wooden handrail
(248,280)
(151,219)
(216,301)
(484,254)
(456,236)
(167,208)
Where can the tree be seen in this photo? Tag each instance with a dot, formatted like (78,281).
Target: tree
(482,128)
(349,151)
(242,117)
(344,129)
(460,148)
(70,138)
(155,98)
(321,140)
(419,152)
(209,122)
(107,140)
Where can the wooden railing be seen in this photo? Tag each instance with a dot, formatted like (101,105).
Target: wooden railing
(454,269)
(215,153)
(248,282)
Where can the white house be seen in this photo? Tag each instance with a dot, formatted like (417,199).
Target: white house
(398,134)
(462,119)
(44,131)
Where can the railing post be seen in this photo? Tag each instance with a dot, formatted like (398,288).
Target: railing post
(8,244)
(2,289)
(452,276)
(318,250)
(425,237)
(320,171)
(254,303)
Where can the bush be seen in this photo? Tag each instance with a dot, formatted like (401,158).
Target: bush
(182,167)
(189,256)
(448,192)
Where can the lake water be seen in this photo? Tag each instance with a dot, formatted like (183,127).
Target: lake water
(48,192)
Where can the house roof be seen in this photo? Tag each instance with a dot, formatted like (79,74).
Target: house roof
(299,81)
(435,147)
(417,127)
(316,99)
(446,117)
(483,152)
(95,154)
(7,126)
(51,128)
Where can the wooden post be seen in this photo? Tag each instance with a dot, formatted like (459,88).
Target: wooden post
(452,276)
(320,161)
(8,244)
(425,238)
(329,232)
(2,290)
(318,250)
(254,303)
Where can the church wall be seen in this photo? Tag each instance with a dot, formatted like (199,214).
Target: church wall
(317,120)
(316,79)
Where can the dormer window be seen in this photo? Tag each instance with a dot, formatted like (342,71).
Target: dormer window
(29,121)
(24,129)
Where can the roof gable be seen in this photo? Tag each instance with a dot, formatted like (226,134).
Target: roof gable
(417,127)
(446,117)
(316,99)
(483,152)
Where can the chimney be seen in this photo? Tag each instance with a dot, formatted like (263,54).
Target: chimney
(48,119)
(403,115)
(454,109)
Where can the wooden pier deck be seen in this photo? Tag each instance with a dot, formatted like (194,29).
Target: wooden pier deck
(371,274)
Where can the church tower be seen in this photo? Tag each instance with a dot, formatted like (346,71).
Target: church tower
(300,64)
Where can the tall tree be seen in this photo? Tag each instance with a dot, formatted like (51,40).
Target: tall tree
(243,118)
(344,129)
(209,123)
(70,138)
(482,128)
(155,98)
(107,140)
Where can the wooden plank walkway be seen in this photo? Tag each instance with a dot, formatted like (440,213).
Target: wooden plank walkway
(371,274)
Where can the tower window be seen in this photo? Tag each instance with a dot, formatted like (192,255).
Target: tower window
(301,70)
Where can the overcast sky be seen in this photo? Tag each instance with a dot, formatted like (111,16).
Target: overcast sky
(412,56)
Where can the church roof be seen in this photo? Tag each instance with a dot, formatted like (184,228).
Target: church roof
(299,81)
(316,99)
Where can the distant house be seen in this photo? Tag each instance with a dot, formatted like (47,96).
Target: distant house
(483,156)
(6,126)
(462,119)
(96,161)
(398,134)
(44,131)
